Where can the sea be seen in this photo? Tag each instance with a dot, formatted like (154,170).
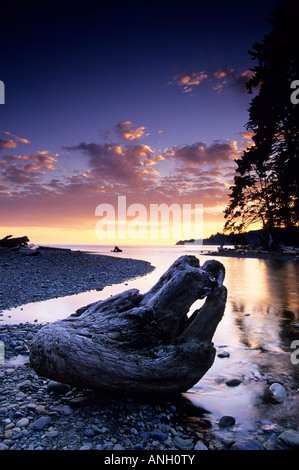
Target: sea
(259,328)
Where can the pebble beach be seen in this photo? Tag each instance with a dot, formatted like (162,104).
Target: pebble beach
(39,414)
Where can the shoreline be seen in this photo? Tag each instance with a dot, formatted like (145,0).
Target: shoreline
(59,272)
(257,254)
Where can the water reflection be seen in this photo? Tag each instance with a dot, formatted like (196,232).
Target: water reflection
(260,294)
(257,330)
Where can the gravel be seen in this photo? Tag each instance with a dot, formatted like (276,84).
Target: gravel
(40,414)
(60,272)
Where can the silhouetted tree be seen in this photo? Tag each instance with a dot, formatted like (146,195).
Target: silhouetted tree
(266,184)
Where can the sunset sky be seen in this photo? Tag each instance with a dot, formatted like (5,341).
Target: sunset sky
(139,99)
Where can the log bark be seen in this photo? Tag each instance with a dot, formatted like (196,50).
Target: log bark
(139,343)
(9,242)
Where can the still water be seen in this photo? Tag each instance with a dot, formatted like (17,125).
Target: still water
(257,329)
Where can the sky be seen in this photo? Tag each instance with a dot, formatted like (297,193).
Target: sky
(142,102)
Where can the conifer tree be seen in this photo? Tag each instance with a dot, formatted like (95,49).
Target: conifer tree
(266,184)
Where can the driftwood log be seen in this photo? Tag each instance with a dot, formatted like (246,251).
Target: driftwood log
(139,343)
(9,242)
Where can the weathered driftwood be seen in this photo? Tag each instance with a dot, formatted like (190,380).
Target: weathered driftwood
(144,343)
(10,242)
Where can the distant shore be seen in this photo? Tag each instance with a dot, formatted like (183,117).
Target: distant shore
(254,253)
(57,272)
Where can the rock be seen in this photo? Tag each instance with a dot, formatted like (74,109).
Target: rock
(278,392)
(42,422)
(77,402)
(223,354)
(118,447)
(25,385)
(248,444)
(3,446)
(23,422)
(228,441)
(183,444)
(64,410)
(58,388)
(52,434)
(158,435)
(226,421)
(290,438)
(200,446)
(272,428)
(233,382)
(89,432)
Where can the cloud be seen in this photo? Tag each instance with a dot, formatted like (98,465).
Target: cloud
(22,169)
(219,79)
(200,153)
(7,144)
(197,173)
(12,141)
(117,163)
(126,131)
(187,81)
(247,139)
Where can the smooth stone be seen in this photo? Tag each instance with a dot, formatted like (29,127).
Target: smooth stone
(226,421)
(22,422)
(233,382)
(278,392)
(183,444)
(42,422)
(200,446)
(78,401)
(58,388)
(52,434)
(223,354)
(290,438)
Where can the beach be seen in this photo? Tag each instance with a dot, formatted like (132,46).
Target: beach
(39,414)
(60,272)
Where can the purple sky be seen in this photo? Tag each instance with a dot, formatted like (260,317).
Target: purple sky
(145,100)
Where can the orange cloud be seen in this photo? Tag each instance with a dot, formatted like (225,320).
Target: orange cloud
(220,78)
(7,144)
(126,131)
(12,141)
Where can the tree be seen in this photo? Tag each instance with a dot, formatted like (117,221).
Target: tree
(266,184)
